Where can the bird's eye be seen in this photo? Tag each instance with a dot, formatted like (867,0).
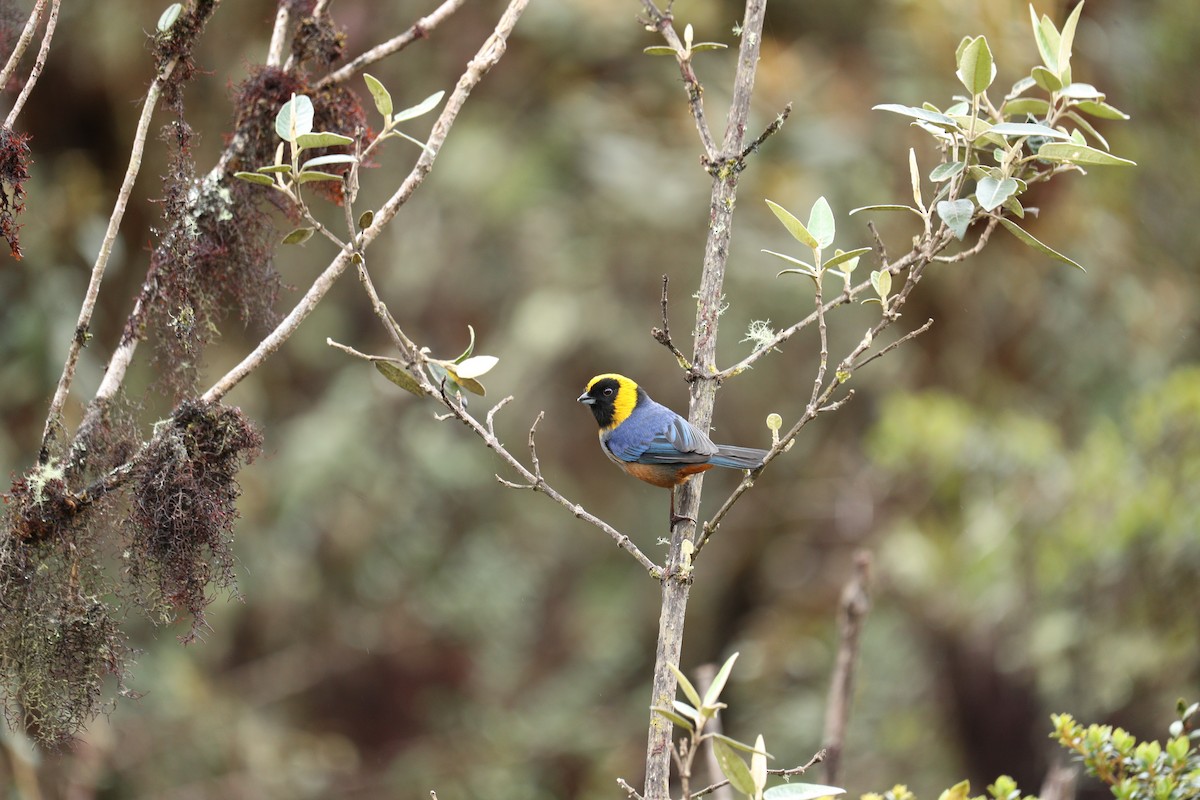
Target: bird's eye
(608,392)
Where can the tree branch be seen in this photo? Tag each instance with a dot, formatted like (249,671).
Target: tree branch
(663,335)
(36,72)
(852,615)
(35,18)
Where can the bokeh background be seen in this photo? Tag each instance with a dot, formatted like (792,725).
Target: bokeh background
(1025,473)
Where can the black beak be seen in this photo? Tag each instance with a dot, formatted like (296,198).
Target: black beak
(586,399)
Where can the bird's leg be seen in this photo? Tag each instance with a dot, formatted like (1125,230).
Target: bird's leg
(677,518)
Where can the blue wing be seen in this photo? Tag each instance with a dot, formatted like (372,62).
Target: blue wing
(657,435)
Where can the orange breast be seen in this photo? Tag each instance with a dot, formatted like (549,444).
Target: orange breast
(663,475)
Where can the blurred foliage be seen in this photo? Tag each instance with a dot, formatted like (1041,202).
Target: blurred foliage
(405,623)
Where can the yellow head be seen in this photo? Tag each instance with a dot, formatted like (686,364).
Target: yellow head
(612,398)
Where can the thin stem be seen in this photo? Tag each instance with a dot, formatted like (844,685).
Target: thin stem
(663,335)
(82,334)
(420,30)
(38,65)
(662,22)
(35,18)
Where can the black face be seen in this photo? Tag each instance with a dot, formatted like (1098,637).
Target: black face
(600,399)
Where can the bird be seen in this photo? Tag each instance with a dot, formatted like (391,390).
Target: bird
(653,443)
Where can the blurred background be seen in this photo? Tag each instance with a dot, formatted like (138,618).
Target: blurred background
(1025,474)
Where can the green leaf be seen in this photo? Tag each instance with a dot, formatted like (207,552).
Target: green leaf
(169,15)
(475,366)
(1027,105)
(295,118)
(1046,36)
(660,50)
(1019,88)
(380,94)
(336,158)
(959,791)
(254,177)
(683,708)
(917,113)
(423,107)
(1098,108)
(881,282)
(275,168)
(914,177)
(299,236)
(991,193)
(689,690)
(312,176)
(1027,129)
(1028,239)
(718,683)
(400,377)
(946,171)
(976,68)
(733,768)
(473,386)
(957,215)
(1081,154)
(735,744)
(1066,41)
(886,207)
(820,222)
(675,719)
(1046,79)
(702,46)
(322,139)
(841,258)
(801,791)
(365,219)
(1081,91)
(1086,126)
(758,766)
(807,267)
(794,226)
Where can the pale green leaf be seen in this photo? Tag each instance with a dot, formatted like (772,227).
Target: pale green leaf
(1027,129)
(675,719)
(957,215)
(295,118)
(991,193)
(1046,36)
(1027,105)
(335,158)
(718,683)
(275,168)
(299,236)
(794,226)
(976,68)
(380,94)
(1081,154)
(423,107)
(914,177)
(842,258)
(733,767)
(1087,127)
(820,222)
(400,377)
(365,219)
(886,207)
(881,282)
(701,46)
(758,765)
(807,266)
(946,171)
(1028,239)
(917,113)
(689,690)
(734,743)
(1081,91)
(169,15)
(254,177)
(312,176)
(801,791)
(687,711)
(470,345)
(1066,42)
(1100,109)
(1046,79)
(322,139)
(659,50)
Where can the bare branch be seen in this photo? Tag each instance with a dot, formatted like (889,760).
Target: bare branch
(767,133)
(82,334)
(910,335)
(35,19)
(662,22)
(852,615)
(420,30)
(278,35)
(663,335)
(36,72)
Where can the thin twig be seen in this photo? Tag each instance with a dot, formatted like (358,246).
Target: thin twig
(35,19)
(630,792)
(978,246)
(662,22)
(852,615)
(910,335)
(420,30)
(767,133)
(487,56)
(82,334)
(36,72)
(663,335)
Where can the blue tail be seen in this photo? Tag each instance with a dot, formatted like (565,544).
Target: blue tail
(738,457)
